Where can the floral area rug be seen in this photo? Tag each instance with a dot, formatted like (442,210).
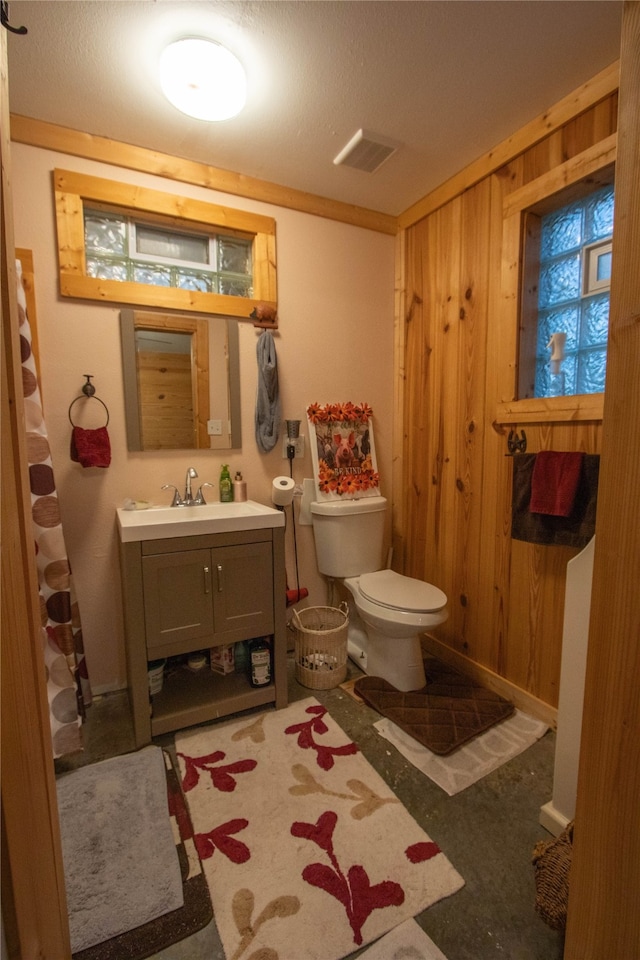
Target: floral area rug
(307,852)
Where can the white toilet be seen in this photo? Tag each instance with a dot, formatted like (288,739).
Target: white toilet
(389,611)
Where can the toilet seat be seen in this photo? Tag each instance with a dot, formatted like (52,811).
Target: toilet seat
(397,592)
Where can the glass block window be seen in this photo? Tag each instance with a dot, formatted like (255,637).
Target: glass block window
(573,297)
(121,248)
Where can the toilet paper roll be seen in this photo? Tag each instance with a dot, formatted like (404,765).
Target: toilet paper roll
(282,491)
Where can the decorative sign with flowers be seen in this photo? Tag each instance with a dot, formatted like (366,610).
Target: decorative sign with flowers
(342,450)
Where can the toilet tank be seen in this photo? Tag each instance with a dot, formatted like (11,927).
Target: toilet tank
(349,535)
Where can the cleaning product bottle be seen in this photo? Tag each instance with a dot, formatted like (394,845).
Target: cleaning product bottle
(241,657)
(239,488)
(226,487)
(259,662)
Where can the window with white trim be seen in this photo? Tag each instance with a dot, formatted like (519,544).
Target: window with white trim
(123,248)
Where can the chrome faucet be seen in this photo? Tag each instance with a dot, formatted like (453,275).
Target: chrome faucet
(188,497)
(188,500)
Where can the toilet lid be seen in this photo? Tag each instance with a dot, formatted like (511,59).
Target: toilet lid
(391,589)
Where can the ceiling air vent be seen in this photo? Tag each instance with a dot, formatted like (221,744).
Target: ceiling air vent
(366,151)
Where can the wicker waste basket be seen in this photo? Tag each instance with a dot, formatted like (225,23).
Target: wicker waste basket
(321,646)
(552,863)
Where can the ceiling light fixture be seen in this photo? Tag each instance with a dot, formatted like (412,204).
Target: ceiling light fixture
(203,79)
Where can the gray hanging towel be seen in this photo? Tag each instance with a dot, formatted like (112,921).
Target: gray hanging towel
(267,418)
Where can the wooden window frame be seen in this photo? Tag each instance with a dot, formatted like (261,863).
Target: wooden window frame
(522,212)
(74,190)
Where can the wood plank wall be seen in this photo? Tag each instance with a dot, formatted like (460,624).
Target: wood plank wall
(603,919)
(506,597)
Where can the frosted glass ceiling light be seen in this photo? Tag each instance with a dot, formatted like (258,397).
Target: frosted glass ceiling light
(203,79)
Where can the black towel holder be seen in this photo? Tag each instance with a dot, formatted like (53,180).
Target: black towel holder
(516,444)
(89,393)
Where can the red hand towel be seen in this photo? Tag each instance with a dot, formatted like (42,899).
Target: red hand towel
(91,448)
(554,482)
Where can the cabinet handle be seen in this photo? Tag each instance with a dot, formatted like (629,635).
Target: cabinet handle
(205,572)
(219,578)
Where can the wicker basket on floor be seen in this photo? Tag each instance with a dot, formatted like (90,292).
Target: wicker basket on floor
(321,646)
(552,861)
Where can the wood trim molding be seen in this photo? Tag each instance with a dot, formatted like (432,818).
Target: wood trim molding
(590,93)
(592,167)
(587,406)
(28,283)
(50,136)
(603,917)
(34,908)
(595,163)
(399,351)
(72,190)
(133,197)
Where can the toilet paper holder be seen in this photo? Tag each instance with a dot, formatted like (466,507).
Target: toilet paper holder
(282,489)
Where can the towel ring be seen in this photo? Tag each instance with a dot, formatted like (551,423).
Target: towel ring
(89,392)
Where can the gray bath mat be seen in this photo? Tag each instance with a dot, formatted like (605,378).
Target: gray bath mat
(120,861)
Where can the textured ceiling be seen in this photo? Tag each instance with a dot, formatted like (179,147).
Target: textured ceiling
(448,79)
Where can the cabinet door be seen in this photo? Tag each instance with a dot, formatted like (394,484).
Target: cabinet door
(177,601)
(242,591)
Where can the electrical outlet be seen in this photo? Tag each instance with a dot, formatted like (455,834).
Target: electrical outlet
(214,428)
(297,442)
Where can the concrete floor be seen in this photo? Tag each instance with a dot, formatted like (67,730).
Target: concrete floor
(487,831)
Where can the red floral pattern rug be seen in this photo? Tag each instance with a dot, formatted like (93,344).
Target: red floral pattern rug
(307,852)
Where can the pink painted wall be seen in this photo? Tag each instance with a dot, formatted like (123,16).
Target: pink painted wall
(335,343)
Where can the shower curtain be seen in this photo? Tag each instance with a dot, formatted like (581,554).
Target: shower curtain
(68,689)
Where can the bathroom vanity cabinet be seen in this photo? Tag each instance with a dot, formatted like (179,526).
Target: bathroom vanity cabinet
(188,593)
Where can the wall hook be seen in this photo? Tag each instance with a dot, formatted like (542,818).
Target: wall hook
(516,444)
(4,19)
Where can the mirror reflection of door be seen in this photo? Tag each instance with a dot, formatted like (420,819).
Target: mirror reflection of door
(173,381)
(159,390)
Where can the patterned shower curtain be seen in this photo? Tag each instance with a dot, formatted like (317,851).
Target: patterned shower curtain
(68,688)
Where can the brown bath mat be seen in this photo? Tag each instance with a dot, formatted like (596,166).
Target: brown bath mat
(449,711)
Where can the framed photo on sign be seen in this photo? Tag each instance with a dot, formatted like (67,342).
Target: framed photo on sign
(343,451)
